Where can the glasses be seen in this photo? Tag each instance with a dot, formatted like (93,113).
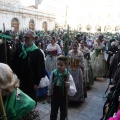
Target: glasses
(27,37)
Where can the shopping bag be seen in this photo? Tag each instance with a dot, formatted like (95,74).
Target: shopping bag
(43,82)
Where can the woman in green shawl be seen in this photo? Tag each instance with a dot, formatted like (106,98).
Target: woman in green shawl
(17,105)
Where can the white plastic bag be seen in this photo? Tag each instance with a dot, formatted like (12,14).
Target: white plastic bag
(43,82)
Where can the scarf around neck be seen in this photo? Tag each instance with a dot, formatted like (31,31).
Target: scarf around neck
(59,77)
(17,105)
(27,49)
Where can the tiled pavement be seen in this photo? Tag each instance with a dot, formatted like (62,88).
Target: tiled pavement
(90,109)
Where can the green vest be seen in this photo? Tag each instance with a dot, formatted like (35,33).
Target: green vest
(17,105)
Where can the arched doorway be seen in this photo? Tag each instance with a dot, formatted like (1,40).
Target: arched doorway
(117,28)
(44,25)
(79,27)
(88,27)
(15,24)
(31,24)
(98,28)
(107,28)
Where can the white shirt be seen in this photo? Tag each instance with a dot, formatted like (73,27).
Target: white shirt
(43,54)
(72,89)
(51,47)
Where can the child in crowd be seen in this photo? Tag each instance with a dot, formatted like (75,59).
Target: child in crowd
(59,88)
(17,105)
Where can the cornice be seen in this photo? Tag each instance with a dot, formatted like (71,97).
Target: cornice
(40,15)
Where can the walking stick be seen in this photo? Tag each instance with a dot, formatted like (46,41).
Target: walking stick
(67,81)
(2,108)
(5,49)
(67,91)
(4,39)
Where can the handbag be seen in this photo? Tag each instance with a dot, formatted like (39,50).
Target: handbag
(43,82)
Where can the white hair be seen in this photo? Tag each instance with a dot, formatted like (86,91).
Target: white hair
(31,33)
(8,80)
(113,44)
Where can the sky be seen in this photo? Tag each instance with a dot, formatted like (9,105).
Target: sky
(27,2)
(32,2)
(77,8)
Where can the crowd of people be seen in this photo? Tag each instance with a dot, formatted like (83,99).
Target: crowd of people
(71,61)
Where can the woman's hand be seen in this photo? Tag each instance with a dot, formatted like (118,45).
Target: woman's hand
(35,87)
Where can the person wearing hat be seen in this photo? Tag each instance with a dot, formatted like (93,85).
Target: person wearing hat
(28,64)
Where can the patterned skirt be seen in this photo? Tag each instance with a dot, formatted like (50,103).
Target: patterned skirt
(78,80)
(88,73)
(33,115)
(99,66)
(51,63)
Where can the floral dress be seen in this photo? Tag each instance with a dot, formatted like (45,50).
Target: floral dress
(76,61)
(98,61)
(88,69)
(51,58)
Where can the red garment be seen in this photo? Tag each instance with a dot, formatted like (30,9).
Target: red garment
(54,52)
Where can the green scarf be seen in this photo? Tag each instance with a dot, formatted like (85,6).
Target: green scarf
(27,49)
(59,77)
(17,105)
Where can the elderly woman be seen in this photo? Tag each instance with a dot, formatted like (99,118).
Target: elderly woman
(17,105)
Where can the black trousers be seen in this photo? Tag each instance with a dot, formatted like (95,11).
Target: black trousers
(56,103)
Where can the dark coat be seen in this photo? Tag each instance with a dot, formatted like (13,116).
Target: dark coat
(114,103)
(114,64)
(2,53)
(113,50)
(29,70)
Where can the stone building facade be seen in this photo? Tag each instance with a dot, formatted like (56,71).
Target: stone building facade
(16,17)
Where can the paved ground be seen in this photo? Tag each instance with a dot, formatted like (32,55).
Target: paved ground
(90,109)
